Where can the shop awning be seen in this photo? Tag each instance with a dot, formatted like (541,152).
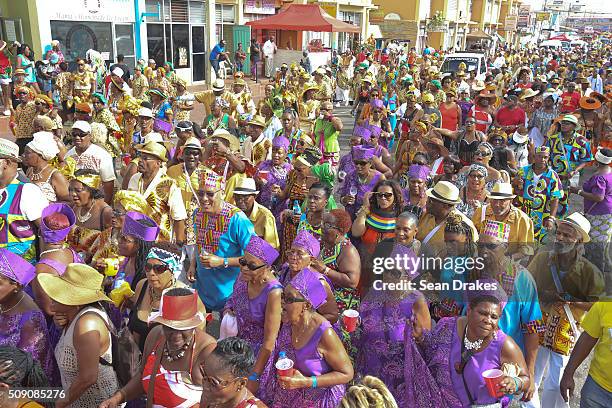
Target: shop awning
(304,17)
(479,35)
(561,37)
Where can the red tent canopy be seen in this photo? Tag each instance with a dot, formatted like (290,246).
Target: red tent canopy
(561,37)
(304,17)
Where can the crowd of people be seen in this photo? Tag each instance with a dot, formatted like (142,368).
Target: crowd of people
(149,259)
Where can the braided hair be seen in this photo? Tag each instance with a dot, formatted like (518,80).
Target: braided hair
(371,393)
(456,225)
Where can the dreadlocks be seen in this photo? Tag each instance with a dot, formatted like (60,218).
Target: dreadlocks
(456,225)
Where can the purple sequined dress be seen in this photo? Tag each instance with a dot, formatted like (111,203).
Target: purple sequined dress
(309,362)
(276,175)
(251,315)
(392,354)
(28,332)
(442,352)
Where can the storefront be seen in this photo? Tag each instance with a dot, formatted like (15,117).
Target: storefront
(178,35)
(106,26)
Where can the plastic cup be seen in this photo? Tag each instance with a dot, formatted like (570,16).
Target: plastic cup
(350,319)
(127,159)
(263,174)
(492,379)
(284,367)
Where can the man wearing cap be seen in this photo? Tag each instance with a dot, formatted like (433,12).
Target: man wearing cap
(262,218)
(256,148)
(145,124)
(569,154)
(125,70)
(21,205)
(217,92)
(500,209)
(93,157)
(224,158)
(246,104)
(186,176)
(23,117)
(522,313)
(268,50)
(568,285)
(326,131)
(570,99)
(161,192)
(222,234)
(542,189)
(441,201)
(324,92)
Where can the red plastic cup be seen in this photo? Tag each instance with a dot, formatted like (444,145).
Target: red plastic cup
(492,380)
(350,319)
(284,367)
(127,159)
(263,174)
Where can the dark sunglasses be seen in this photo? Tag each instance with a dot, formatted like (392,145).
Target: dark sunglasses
(37,103)
(251,266)
(209,194)
(79,134)
(360,162)
(470,123)
(158,269)
(480,153)
(22,93)
(289,299)
(386,196)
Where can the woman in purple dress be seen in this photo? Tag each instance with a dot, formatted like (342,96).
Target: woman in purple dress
(256,304)
(387,349)
(360,181)
(274,172)
(361,136)
(22,324)
(459,349)
(304,250)
(416,184)
(321,365)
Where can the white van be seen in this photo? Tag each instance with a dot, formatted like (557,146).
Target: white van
(473,61)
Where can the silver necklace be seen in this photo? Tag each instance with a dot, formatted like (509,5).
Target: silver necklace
(472,345)
(52,250)
(84,218)
(14,306)
(38,176)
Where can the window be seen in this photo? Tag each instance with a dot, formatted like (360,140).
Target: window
(225,13)
(179,11)
(151,7)
(76,38)
(197,12)
(180,45)
(124,42)
(155,42)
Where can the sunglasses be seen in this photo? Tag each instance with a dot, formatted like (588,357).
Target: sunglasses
(211,382)
(386,196)
(481,153)
(329,226)
(289,299)
(22,93)
(476,176)
(360,162)
(250,265)
(470,123)
(158,269)
(79,134)
(209,194)
(117,213)
(37,103)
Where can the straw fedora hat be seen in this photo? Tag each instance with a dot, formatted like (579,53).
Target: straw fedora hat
(479,85)
(445,192)
(154,149)
(580,223)
(589,103)
(245,186)
(257,120)
(486,95)
(179,312)
(218,85)
(79,285)
(529,93)
(234,143)
(309,87)
(501,191)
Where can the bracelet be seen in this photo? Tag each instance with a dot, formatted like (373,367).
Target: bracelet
(326,271)
(314,381)
(254,376)
(579,192)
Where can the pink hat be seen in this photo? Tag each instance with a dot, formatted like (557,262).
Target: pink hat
(308,283)
(261,250)
(362,132)
(418,171)
(306,241)
(280,142)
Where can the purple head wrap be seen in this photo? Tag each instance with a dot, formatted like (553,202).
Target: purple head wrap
(401,253)
(132,226)
(261,250)
(491,288)
(362,153)
(376,130)
(54,236)
(306,241)
(418,171)
(363,132)
(280,142)
(15,267)
(377,104)
(308,283)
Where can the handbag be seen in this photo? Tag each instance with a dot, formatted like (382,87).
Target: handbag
(229,326)
(126,355)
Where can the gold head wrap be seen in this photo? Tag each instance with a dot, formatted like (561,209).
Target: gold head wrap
(131,201)
(90,180)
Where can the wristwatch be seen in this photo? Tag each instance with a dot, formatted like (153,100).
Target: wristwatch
(225,262)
